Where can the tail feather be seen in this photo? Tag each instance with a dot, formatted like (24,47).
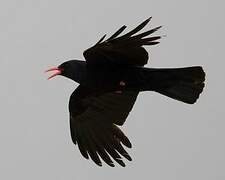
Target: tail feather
(183,84)
(183,91)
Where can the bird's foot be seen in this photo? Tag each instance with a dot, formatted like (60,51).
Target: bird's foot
(122,83)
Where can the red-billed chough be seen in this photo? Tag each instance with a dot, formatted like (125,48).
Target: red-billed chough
(110,81)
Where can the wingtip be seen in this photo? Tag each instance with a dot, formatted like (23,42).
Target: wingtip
(111,164)
(119,31)
(99,164)
(127,143)
(149,19)
(120,162)
(157,28)
(127,156)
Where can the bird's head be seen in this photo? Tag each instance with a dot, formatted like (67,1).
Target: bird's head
(68,69)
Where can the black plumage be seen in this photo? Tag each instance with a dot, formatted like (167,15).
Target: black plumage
(110,81)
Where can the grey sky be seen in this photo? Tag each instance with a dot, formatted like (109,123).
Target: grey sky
(181,142)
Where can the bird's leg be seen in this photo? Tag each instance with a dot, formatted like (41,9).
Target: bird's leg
(122,84)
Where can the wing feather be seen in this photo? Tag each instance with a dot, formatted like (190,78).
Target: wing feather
(126,49)
(138,28)
(118,32)
(93,120)
(103,37)
(147,33)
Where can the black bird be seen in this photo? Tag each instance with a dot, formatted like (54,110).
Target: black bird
(110,81)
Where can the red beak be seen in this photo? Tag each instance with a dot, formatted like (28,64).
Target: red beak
(57,72)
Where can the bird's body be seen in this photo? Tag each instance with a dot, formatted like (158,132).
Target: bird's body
(110,80)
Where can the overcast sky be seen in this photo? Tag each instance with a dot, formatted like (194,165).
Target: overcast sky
(171,140)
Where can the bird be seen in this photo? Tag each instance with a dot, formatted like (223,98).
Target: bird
(110,81)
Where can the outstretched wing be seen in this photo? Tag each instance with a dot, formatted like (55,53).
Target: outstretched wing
(122,50)
(93,124)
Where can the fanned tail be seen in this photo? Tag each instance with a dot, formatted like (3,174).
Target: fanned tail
(183,84)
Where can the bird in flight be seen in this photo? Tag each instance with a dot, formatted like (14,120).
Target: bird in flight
(109,82)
